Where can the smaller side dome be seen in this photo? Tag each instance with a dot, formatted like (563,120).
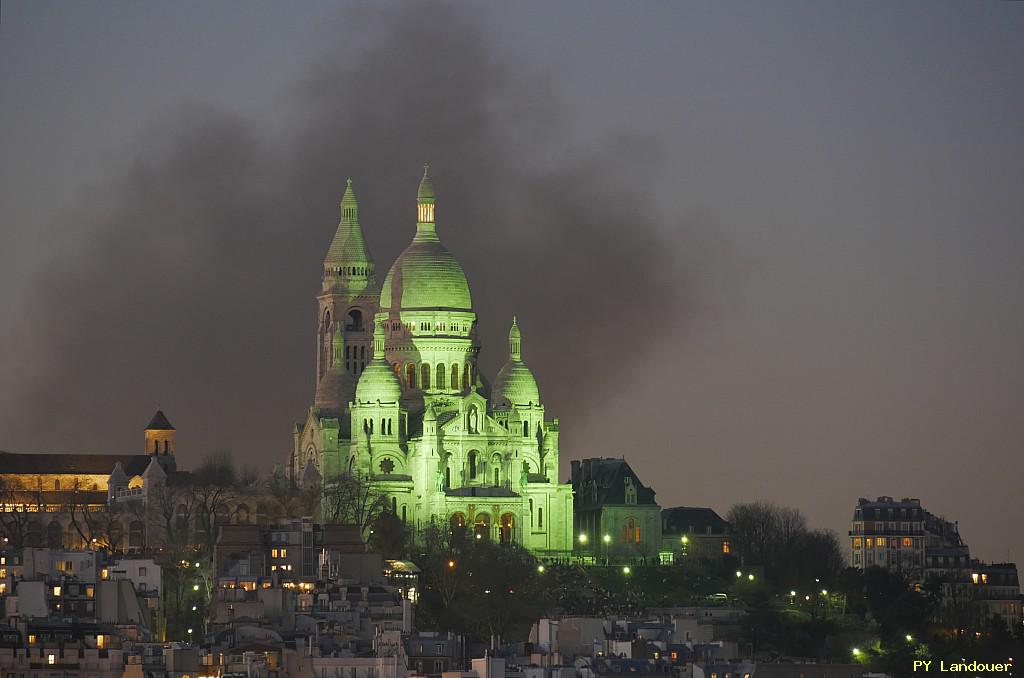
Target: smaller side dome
(336,386)
(515,383)
(378,382)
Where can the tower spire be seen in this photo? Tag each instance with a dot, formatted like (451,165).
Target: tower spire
(348,258)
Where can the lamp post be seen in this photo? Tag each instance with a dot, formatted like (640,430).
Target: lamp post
(607,549)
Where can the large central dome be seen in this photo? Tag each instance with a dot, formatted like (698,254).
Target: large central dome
(425,275)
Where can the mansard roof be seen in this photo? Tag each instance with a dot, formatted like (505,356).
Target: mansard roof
(692,519)
(56,463)
(609,476)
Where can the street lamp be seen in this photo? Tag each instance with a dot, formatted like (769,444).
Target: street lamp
(583,537)
(625,569)
(540,568)
(190,636)
(750,577)
(738,574)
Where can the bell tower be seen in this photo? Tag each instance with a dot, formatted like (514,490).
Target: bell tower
(160,440)
(348,298)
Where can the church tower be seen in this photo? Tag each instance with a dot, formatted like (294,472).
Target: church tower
(160,440)
(346,305)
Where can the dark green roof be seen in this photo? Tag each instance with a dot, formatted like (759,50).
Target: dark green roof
(159,422)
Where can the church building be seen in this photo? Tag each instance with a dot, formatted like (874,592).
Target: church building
(400,401)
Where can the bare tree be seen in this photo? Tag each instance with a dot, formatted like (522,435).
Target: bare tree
(778,539)
(290,501)
(351,498)
(15,513)
(213,484)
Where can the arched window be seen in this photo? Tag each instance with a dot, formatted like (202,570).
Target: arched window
(457,526)
(389,425)
(540,516)
(440,377)
(526,429)
(425,376)
(447,477)
(394,506)
(156,446)
(455,376)
(497,476)
(465,377)
(506,528)
(531,511)
(482,526)
(383,426)
(631,532)
(403,513)
(472,465)
(166,448)
(410,375)
(354,320)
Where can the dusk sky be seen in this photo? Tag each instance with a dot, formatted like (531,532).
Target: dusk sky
(763,250)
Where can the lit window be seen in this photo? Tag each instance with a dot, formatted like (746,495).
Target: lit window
(90,591)
(104,574)
(56,591)
(868,541)
(974,577)
(984,579)
(725,547)
(273,553)
(880,541)
(51,658)
(31,639)
(856,542)
(3,573)
(101,641)
(907,541)
(284,553)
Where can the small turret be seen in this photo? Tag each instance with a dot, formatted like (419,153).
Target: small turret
(118,479)
(378,382)
(515,341)
(515,383)
(425,198)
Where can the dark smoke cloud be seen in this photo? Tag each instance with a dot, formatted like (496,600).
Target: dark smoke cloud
(189,280)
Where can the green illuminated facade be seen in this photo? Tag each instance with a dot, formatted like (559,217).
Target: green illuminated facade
(399,397)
